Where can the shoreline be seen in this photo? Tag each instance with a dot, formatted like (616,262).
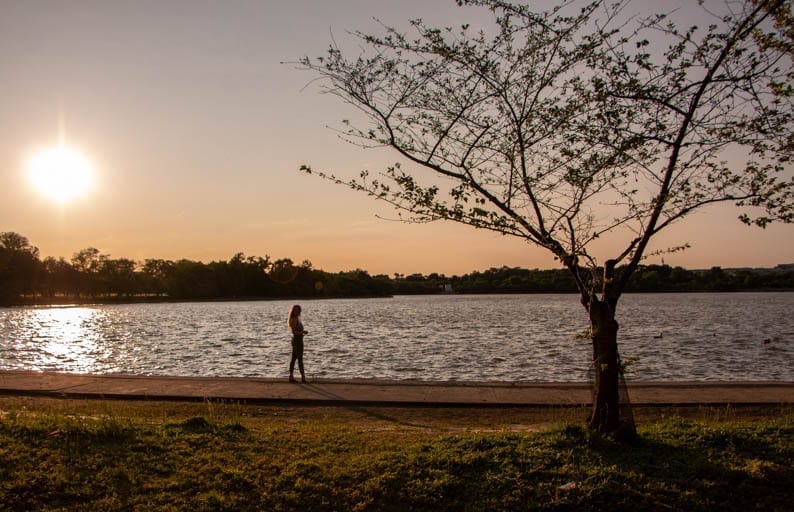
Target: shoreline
(374,392)
(77,302)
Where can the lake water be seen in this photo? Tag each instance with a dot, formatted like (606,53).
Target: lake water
(742,336)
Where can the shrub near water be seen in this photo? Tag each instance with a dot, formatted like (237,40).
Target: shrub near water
(50,460)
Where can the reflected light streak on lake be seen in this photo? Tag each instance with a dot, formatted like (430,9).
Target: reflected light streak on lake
(743,336)
(60,335)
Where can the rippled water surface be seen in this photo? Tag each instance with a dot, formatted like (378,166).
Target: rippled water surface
(745,336)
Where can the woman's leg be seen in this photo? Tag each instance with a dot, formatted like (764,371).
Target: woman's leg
(300,367)
(300,359)
(292,361)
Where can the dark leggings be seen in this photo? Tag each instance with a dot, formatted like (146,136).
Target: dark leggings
(297,353)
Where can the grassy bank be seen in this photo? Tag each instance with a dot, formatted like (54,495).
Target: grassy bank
(102,455)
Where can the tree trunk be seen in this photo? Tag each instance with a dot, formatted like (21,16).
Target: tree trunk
(606,401)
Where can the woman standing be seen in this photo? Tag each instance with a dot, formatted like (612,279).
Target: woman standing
(295,324)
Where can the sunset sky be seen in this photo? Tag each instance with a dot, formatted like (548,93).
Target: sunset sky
(195,131)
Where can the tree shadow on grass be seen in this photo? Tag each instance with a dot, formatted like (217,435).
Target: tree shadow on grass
(697,469)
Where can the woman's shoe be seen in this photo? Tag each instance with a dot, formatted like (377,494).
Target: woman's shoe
(291,378)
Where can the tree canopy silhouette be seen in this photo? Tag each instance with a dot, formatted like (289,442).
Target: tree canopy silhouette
(565,126)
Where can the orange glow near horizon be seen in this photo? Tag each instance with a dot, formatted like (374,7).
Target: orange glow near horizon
(60,173)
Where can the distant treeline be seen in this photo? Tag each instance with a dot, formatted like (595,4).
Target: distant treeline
(25,278)
(93,276)
(648,278)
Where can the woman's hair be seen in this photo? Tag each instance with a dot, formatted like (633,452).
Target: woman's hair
(294,311)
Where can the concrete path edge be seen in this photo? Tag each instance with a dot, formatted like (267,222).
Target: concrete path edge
(366,392)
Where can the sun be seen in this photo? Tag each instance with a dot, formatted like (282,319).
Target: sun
(60,173)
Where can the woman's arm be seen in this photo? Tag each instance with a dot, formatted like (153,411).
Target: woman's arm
(297,327)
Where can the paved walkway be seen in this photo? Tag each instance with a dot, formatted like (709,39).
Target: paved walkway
(383,393)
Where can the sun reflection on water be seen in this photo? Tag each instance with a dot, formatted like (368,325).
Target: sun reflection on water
(66,338)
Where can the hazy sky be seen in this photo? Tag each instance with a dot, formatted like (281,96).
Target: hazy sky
(197,131)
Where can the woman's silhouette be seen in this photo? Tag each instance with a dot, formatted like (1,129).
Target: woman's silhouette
(295,324)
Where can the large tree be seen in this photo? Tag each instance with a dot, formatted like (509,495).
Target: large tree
(561,127)
(19,265)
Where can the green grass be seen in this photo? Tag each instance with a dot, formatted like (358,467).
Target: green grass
(102,455)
